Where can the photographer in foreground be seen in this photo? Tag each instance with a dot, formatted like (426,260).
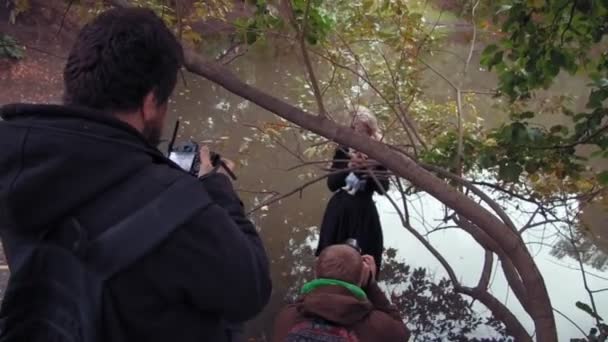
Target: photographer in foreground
(78,176)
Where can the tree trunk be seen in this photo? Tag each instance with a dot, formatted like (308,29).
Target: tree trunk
(538,306)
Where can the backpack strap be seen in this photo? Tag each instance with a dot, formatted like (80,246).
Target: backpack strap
(124,243)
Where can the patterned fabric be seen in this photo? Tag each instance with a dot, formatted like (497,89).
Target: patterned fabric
(319,330)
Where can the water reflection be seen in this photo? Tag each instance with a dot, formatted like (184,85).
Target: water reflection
(289,227)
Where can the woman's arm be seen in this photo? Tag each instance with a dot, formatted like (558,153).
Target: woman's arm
(381,174)
(336,180)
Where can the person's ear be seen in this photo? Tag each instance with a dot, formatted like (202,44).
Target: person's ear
(149,108)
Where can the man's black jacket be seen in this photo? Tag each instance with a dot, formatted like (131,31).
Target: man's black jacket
(57,161)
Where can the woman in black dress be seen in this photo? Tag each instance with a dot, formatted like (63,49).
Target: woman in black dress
(351,212)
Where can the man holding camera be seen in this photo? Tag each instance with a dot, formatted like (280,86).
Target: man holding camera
(93,162)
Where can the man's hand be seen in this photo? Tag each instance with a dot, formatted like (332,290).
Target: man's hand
(205,158)
(206,165)
(368,274)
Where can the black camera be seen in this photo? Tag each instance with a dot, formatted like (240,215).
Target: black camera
(187,156)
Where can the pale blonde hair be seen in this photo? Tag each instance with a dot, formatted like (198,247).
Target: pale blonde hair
(364,115)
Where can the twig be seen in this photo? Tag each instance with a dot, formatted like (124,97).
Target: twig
(64,16)
(578,269)
(571,321)
(472,48)
(569,22)
(584,276)
(365,78)
(299,189)
(308,64)
(484,279)
(438,73)
(460,148)
(277,141)
(331,80)
(497,209)
(426,37)
(402,116)
(257,192)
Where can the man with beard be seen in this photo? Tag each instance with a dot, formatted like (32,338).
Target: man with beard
(93,162)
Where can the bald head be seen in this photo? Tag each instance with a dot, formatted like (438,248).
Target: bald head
(340,262)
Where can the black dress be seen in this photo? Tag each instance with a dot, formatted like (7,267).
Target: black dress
(352,216)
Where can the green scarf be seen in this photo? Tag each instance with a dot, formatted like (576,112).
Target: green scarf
(354,289)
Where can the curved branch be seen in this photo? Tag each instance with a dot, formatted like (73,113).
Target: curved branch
(484,279)
(511,273)
(308,64)
(571,321)
(478,192)
(539,306)
(501,312)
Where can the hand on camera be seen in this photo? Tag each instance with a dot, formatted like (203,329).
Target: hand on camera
(207,166)
(368,273)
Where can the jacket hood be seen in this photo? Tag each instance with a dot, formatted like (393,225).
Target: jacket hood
(54,159)
(335,304)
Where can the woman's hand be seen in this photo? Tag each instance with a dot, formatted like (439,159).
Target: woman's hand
(357,159)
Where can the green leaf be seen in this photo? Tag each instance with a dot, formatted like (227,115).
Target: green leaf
(510,172)
(602,177)
(519,133)
(585,307)
(559,129)
(504,8)
(596,98)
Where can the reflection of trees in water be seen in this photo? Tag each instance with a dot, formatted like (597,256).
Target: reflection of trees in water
(583,247)
(432,309)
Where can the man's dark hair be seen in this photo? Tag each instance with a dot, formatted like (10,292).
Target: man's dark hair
(118,58)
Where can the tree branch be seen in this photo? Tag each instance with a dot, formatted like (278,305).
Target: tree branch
(468,61)
(64,16)
(484,279)
(405,167)
(308,64)
(571,321)
(478,192)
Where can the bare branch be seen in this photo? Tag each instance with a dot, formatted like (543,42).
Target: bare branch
(487,199)
(571,321)
(365,78)
(460,148)
(405,167)
(299,190)
(468,61)
(584,276)
(484,279)
(438,73)
(65,15)
(308,64)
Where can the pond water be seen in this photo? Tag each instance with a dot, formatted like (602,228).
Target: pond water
(290,227)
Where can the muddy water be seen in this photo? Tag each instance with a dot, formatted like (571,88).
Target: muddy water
(289,227)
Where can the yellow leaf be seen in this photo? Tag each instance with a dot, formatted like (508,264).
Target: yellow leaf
(534,177)
(536,3)
(491,142)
